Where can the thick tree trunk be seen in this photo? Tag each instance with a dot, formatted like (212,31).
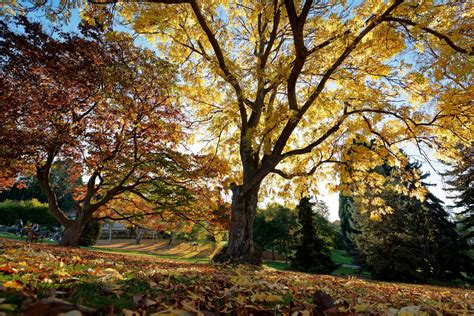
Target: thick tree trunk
(240,247)
(72,233)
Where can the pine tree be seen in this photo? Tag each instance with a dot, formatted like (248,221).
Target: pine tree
(312,253)
(461,180)
(346,207)
(415,242)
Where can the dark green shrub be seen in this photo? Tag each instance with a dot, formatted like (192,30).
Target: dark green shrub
(90,233)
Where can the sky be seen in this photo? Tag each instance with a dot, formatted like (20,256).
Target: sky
(331,199)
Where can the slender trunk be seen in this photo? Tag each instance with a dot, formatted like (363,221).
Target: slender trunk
(139,233)
(240,247)
(110,232)
(273,253)
(171,240)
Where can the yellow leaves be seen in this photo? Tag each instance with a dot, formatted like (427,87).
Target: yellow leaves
(13,284)
(419,193)
(61,273)
(266,297)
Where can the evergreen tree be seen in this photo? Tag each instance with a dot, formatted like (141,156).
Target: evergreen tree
(90,233)
(346,208)
(415,242)
(461,180)
(312,253)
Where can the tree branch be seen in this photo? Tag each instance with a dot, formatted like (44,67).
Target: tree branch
(431,31)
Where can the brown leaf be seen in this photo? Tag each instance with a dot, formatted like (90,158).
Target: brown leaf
(8,270)
(323,301)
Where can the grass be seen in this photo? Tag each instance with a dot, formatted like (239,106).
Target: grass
(341,257)
(147,254)
(11,236)
(15,237)
(338,256)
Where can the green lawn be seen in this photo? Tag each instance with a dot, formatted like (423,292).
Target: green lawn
(338,256)
(147,254)
(15,237)
(10,236)
(341,257)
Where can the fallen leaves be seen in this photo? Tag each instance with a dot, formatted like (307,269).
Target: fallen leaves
(55,280)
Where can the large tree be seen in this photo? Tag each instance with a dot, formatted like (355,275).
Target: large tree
(414,241)
(461,181)
(102,103)
(291,82)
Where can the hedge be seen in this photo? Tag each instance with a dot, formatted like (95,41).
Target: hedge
(29,211)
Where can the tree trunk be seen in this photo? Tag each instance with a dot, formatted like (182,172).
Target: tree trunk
(240,247)
(273,253)
(171,240)
(110,232)
(72,233)
(139,236)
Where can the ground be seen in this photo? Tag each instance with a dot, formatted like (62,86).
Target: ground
(186,251)
(49,280)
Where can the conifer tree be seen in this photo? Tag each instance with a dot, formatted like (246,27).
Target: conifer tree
(312,253)
(416,241)
(461,180)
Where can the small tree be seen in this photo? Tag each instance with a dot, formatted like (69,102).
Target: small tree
(103,103)
(312,253)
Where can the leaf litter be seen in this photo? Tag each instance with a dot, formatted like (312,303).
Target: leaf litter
(52,280)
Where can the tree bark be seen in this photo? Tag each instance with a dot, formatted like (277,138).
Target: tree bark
(72,232)
(240,247)
(139,236)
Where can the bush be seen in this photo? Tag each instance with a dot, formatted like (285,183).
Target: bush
(90,233)
(29,211)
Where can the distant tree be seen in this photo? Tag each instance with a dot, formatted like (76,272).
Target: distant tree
(323,227)
(461,180)
(416,241)
(312,253)
(346,208)
(274,228)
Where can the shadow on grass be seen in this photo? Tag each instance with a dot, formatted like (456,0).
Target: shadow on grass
(149,254)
